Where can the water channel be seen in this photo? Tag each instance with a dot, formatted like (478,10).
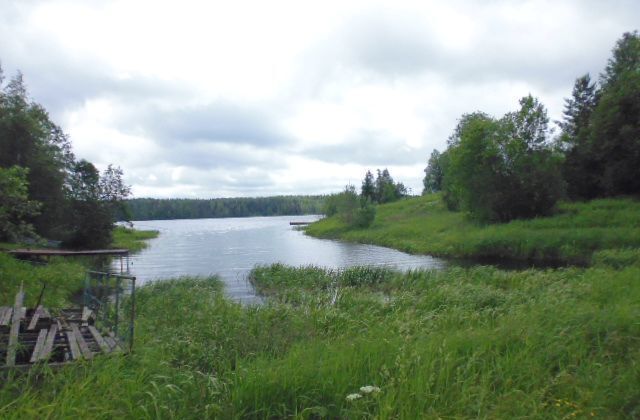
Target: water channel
(231,247)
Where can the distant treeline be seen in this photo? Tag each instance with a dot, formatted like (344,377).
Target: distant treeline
(185,208)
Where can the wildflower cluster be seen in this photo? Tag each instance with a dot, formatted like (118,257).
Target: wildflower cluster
(364,390)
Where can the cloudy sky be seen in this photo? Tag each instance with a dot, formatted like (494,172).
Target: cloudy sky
(238,98)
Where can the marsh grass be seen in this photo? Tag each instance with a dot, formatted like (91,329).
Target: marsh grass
(132,239)
(61,277)
(422,225)
(457,343)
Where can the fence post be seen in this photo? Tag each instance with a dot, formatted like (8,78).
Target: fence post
(117,311)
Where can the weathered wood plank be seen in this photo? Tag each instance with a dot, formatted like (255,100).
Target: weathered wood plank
(48,345)
(84,347)
(15,329)
(86,314)
(99,339)
(35,318)
(42,337)
(45,313)
(73,345)
(5,317)
(113,344)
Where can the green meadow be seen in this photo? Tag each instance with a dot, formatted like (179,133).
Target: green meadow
(423,225)
(364,342)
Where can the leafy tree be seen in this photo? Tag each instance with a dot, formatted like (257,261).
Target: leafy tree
(28,138)
(15,207)
(90,219)
(433,174)
(365,214)
(386,190)
(500,170)
(368,190)
(113,192)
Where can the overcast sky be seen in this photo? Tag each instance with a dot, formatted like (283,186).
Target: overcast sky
(237,98)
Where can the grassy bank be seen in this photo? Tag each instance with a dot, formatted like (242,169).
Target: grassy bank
(423,225)
(132,239)
(458,343)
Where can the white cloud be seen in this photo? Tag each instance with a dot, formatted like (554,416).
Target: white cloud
(210,99)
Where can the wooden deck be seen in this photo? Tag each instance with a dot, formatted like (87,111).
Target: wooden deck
(67,253)
(29,336)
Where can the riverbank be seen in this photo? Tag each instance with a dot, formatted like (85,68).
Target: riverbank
(422,225)
(363,342)
(475,342)
(132,239)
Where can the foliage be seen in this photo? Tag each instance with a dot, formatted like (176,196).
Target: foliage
(28,138)
(179,208)
(601,127)
(352,210)
(365,214)
(386,189)
(579,162)
(77,204)
(500,170)
(368,190)
(93,202)
(478,342)
(60,278)
(423,225)
(434,172)
(132,239)
(15,207)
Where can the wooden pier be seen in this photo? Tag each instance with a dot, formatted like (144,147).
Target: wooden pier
(29,336)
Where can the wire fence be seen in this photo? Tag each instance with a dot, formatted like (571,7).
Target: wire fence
(112,298)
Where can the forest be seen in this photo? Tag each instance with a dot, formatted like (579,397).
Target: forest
(184,208)
(45,190)
(497,170)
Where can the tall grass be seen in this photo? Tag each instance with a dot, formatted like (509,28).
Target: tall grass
(458,343)
(423,225)
(60,279)
(132,239)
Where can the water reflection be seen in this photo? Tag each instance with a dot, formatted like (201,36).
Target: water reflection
(232,247)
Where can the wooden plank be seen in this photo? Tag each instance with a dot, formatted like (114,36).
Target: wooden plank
(35,318)
(45,313)
(73,345)
(48,345)
(42,337)
(99,339)
(112,344)
(86,314)
(84,347)
(6,316)
(15,329)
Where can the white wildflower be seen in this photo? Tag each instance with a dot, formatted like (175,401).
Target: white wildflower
(352,397)
(369,389)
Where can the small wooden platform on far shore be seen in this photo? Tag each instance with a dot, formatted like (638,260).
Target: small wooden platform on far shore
(299,223)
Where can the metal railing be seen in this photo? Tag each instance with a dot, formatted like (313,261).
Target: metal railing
(112,298)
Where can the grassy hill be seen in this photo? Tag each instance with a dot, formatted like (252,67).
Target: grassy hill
(423,225)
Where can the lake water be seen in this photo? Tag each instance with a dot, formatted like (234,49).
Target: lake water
(232,247)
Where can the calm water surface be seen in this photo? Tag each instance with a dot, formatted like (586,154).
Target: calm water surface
(232,247)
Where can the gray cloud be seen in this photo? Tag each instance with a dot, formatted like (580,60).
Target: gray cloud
(368,147)
(232,145)
(222,122)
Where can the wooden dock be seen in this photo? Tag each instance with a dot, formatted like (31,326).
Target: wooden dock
(29,336)
(299,223)
(46,253)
